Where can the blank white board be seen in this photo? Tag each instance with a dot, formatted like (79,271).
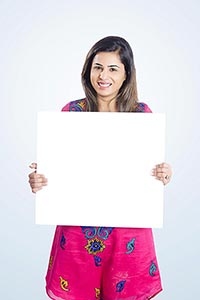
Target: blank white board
(98,167)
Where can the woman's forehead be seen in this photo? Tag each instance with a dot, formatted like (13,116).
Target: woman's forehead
(107,58)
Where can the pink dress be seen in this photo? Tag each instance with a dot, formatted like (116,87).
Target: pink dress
(102,263)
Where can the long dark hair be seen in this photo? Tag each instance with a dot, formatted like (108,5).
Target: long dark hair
(127,97)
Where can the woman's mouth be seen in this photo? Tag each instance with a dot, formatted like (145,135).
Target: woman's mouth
(104,84)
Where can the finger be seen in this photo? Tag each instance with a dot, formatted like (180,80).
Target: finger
(32,175)
(42,181)
(35,190)
(37,184)
(36,176)
(162,166)
(161,170)
(156,171)
(160,176)
(33,166)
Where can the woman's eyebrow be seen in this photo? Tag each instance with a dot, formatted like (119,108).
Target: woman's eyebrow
(110,66)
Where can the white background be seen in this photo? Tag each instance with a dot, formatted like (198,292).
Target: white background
(43,47)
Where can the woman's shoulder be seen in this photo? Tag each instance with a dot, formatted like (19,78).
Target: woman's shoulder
(143,107)
(76,105)
(80,105)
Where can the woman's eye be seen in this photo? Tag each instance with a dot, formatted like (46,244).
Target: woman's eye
(97,68)
(113,69)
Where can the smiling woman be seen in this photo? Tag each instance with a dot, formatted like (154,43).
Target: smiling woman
(107,76)
(103,262)
(110,62)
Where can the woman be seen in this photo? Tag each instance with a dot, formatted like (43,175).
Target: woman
(103,262)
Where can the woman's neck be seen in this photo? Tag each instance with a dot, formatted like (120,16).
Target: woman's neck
(107,106)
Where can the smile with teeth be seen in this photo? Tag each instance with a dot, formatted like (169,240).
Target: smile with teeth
(104,84)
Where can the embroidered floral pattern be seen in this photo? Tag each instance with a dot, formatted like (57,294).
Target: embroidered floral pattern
(95,237)
(77,105)
(95,246)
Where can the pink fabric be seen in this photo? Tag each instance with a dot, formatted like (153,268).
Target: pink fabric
(102,263)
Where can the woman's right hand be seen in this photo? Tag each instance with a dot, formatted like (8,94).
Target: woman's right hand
(36,181)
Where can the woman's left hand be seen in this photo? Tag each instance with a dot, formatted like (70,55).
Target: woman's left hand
(162,172)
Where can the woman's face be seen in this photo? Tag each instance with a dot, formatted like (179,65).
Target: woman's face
(107,75)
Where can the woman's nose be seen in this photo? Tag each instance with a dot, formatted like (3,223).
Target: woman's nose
(103,74)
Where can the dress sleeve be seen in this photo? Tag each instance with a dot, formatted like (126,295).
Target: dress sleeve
(66,107)
(147,109)
(76,105)
(143,107)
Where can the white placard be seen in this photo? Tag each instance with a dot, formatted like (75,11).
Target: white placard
(98,167)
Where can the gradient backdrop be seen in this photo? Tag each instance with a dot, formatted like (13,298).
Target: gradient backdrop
(43,47)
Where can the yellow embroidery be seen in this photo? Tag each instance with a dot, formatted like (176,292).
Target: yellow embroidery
(95,246)
(82,103)
(64,284)
(97,293)
(50,262)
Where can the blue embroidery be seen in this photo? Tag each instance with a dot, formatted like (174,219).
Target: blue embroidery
(152,269)
(141,107)
(94,246)
(95,237)
(77,105)
(130,246)
(89,232)
(120,286)
(97,261)
(101,232)
(63,242)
